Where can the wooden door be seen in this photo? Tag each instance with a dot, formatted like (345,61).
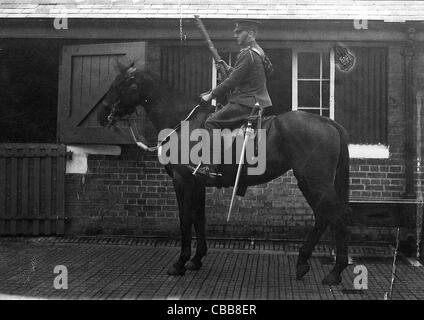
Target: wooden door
(86,73)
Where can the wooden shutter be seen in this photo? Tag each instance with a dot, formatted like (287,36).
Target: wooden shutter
(86,73)
(188,69)
(361,96)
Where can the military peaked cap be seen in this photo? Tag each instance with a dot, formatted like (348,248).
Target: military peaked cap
(247,25)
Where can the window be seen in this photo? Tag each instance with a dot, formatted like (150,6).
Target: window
(313,81)
(356,99)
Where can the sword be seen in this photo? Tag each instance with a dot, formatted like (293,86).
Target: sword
(248,134)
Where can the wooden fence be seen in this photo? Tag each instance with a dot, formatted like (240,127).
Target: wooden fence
(32,189)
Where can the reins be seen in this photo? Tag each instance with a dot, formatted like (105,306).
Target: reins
(145,147)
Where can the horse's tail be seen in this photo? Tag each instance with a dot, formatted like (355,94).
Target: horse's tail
(342,172)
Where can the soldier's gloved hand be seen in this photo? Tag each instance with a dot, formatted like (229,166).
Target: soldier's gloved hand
(206,96)
(221,66)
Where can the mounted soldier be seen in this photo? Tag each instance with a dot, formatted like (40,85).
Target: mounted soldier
(246,85)
(291,144)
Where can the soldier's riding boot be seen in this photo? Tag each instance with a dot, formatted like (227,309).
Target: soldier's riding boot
(210,172)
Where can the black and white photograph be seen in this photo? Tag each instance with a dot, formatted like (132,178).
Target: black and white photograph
(211,154)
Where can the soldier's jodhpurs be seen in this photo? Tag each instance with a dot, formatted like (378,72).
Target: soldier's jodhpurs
(231,116)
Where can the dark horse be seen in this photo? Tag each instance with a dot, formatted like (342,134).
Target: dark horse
(315,147)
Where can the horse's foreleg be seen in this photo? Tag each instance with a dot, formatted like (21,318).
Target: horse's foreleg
(183,191)
(199,226)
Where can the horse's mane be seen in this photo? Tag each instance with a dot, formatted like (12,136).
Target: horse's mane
(162,90)
(168,103)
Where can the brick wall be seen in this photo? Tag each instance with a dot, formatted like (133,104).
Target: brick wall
(131,193)
(419,85)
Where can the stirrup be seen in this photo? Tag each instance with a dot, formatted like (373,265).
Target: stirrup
(206,172)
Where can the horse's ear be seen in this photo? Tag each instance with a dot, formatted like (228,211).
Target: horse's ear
(122,64)
(139,63)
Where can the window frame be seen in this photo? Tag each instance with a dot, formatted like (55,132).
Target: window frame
(295,80)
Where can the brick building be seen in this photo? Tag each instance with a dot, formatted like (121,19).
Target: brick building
(114,188)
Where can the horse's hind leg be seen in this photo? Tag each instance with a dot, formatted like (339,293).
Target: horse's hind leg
(199,226)
(305,252)
(321,223)
(328,210)
(338,223)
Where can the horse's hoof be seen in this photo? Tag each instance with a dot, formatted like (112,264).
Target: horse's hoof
(301,270)
(332,279)
(193,266)
(175,270)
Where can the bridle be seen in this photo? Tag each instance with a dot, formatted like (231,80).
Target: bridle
(111,118)
(130,76)
(160,143)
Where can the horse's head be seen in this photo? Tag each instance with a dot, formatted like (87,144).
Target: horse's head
(130,88)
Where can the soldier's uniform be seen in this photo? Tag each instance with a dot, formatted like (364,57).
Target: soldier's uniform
(246,84)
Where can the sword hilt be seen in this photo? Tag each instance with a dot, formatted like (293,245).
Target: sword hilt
(249,130)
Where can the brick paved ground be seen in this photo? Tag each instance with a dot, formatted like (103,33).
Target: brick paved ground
(134,269)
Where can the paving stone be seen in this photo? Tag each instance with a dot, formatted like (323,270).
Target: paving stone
(131,269)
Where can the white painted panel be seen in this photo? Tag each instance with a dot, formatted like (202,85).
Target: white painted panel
(78,163)
(367,151)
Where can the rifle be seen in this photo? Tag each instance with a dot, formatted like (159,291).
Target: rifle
(224,72)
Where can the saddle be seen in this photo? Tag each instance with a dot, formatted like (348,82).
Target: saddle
(257,121)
